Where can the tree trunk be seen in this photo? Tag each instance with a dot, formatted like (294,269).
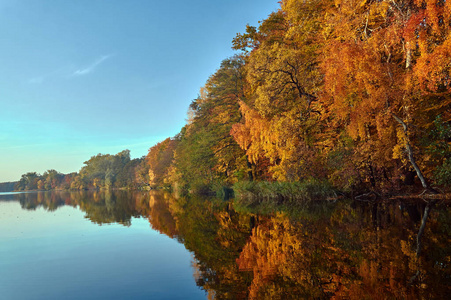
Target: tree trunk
(249,168)
(422,226)
(408,55)
(420,236)
(410,152)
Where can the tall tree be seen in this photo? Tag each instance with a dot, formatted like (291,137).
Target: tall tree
(206,153)
(159,159)
(282,71)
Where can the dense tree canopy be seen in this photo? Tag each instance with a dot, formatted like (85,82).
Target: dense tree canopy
(353,92)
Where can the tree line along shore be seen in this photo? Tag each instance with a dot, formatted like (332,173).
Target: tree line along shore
(323,98)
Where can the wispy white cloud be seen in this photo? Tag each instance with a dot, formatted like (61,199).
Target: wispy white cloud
(92,67)
(36,80)
(41,78)
(68,71)
(60,72)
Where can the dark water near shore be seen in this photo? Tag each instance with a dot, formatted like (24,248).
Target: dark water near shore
(119,245)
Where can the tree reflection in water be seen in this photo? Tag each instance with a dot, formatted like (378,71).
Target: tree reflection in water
(352,250)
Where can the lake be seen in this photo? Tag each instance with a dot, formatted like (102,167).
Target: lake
(152,245)
(88,246)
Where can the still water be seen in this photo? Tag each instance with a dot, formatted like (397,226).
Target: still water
(119,245)
(88,246)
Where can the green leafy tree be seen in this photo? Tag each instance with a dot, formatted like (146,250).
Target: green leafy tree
(27,182)
(206,153)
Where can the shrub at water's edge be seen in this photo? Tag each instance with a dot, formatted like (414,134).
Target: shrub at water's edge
(250,193)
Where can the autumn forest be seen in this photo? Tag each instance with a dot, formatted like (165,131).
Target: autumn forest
(345,96)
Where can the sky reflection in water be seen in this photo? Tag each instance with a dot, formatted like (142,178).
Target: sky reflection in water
(62,255)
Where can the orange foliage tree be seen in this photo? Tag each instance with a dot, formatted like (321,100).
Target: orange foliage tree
(159,159)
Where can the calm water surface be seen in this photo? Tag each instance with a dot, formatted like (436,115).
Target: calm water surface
(88,246)
(120,245)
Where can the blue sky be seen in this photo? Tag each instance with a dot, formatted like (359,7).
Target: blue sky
(83,77)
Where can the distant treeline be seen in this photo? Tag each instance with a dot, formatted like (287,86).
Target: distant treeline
(103,171)
(7,186)
(353,95)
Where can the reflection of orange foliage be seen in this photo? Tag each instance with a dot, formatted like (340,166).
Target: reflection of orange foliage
(270,253)
(232,229)
(159,216)
(344,257)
